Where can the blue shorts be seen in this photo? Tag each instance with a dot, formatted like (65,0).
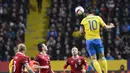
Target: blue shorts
(94,46)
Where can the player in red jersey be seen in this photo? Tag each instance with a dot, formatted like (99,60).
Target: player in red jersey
(76,62)
(20,61)
(43,59)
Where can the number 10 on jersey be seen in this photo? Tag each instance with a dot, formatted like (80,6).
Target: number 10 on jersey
(93,25)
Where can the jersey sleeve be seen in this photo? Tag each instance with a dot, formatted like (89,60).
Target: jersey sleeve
(37,59)
(83,21)
(28,59)
(102,23)
(85,63)
(25,60)
(67,63)
(82,27)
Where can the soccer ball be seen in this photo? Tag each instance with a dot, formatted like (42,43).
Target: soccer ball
(79,10)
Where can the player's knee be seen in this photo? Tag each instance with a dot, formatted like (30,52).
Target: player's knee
(93,58)
(101,57)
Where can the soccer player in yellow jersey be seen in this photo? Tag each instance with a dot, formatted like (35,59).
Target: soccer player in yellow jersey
(91,26)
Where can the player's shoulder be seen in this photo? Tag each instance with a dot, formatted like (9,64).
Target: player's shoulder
(81,57)
(24,56)
(98,17)
(94,16)
(48,55)
(28,58)
(19,56)
(70,58)
(38,56)
(84,18)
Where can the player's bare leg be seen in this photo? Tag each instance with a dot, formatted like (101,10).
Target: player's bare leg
(103,62)
(95,64)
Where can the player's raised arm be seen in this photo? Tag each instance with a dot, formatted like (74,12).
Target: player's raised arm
(82,26)
(81,29)
(111,25)
(28,68)
(103,24)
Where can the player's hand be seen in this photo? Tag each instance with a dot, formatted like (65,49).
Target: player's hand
(46,67)
(64,70)
(112,25)
(83,71)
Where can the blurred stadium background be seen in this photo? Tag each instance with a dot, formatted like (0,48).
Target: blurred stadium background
(55,23)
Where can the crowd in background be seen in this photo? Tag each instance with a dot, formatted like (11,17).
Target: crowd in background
(13,17)
(64,23)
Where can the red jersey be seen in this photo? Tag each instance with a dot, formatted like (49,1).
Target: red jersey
(44,61)
(18,62)
(76,64)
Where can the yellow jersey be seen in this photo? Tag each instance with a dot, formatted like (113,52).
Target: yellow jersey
(10,66)
(91,25)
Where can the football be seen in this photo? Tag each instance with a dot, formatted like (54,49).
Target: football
(79,10)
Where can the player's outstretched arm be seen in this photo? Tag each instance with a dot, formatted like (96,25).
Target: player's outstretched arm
(40,67)
(103,24)
(28,68)
(111,25)
(65,67)
(81,29)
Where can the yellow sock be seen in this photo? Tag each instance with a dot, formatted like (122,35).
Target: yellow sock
(97,66)
(103,64)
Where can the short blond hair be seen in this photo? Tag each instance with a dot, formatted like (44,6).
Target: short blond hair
(21,47)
